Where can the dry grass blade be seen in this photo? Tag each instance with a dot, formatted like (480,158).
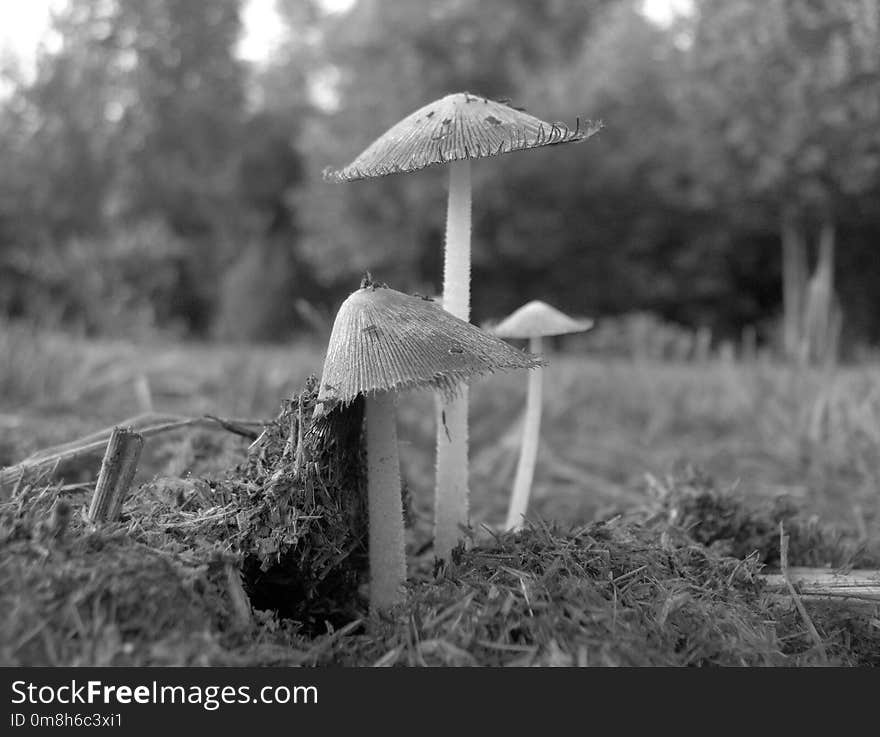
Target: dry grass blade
(329,640)
(240,602)
(238,427)
(389,658)
(783,554)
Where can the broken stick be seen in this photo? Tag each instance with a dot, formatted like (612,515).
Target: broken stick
(117,472)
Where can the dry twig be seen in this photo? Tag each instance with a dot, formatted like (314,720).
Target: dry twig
(783,564)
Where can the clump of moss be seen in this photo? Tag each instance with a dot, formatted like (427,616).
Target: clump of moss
(605,594)
(160,583)
(104,601)
(304,530)
(608,594)
(720,518)
(293,515)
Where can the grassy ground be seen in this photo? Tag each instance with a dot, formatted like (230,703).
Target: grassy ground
(620,437)
(608,425)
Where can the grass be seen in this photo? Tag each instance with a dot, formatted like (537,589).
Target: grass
(642,561)
(607,423)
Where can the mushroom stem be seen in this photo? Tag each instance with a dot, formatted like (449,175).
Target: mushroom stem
(451,499)
(451,494)
(387,550)
(457,260)
(525,469)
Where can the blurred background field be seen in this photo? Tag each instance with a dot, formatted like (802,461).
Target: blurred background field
(167,242)
(614,427)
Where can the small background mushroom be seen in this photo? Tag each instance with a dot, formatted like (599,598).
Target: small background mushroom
(384,342)
(532,321)
(454,130)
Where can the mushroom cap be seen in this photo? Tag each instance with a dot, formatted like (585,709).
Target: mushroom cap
(384,340)
(538,319)
(456,127)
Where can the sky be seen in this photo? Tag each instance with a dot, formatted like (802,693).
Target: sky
(663,12)
(24,23)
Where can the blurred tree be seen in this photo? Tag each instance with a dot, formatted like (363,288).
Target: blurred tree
(261,289)
(182,121)
(271,280)
(56,137)
(182,112)
(137,115)
(56,155)
(785,103)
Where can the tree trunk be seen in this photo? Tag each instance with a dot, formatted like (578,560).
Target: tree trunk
(821,323)
(794,282)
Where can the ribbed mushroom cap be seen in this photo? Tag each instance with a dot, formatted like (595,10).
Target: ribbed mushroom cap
(455,127)
(384,340)
(538,319)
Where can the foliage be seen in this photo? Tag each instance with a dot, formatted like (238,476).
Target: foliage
(718,519)
(139,117)
(719,128)
(785,98)
(791,89)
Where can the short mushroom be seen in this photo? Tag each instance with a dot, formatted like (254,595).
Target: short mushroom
(533,321)
(453,130)
(384,342)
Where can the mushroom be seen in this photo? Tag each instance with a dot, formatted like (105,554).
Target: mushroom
(453,130)
(384,342)
(534,321)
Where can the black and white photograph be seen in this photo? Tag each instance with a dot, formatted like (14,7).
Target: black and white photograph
(433,333)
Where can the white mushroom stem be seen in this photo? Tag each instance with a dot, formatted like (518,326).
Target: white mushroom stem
(525,469)
(451,494)
(387,547)
(451,500)
(457,259)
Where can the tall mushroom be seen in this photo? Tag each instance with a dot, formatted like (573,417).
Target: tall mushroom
(384,342)
(453,130)
(532,321)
